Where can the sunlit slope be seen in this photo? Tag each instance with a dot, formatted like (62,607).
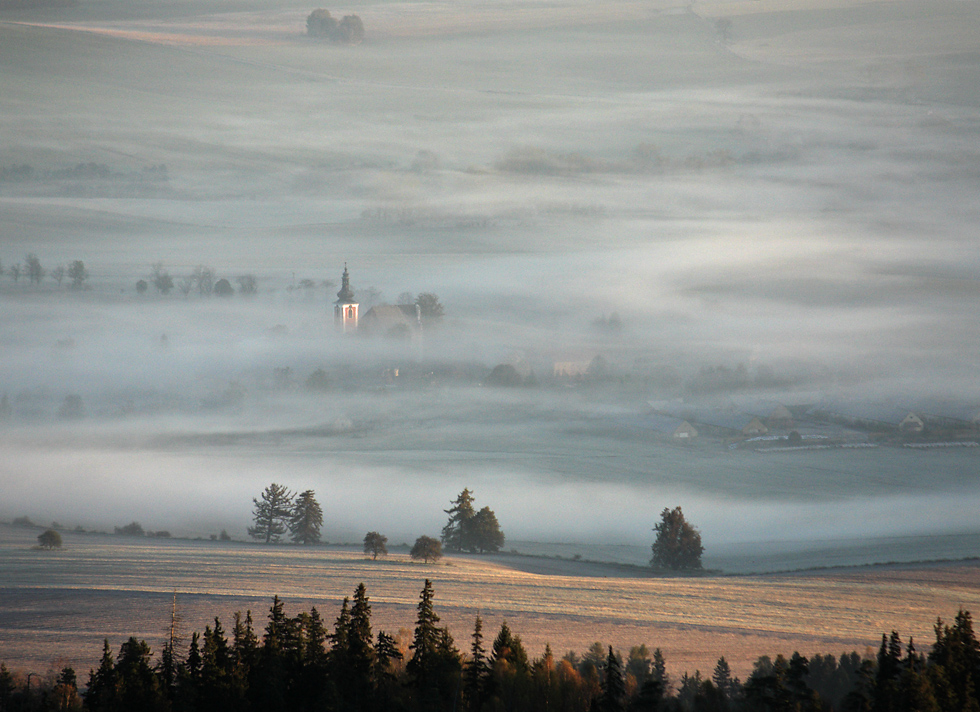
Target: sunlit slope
(694,620)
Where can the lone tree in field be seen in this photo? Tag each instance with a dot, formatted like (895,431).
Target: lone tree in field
(306,519)
(271,513)
(374,544)
(49,540)
(678,544)
(427,549)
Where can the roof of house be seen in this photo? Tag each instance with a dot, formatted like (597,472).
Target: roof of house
(886,413)
(385,316)
(727,420)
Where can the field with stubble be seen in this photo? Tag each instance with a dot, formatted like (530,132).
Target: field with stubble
(789,187)
(56,607)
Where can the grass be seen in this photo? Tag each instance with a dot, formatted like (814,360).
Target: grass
(61,604)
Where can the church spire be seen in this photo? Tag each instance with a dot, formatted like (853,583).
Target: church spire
(345,295)
(345,310)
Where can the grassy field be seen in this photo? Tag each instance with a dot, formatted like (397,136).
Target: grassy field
(796,189)
(59,605)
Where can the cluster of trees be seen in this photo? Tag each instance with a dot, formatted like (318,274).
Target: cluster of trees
(202,278)
(35,272)
(469,530)
(678,544)
(298,664)
(349,30)
(278,510)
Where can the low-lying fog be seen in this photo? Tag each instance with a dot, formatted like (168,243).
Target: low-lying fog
(795,192)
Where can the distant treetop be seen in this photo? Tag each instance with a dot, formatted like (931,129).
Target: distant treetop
(320,23)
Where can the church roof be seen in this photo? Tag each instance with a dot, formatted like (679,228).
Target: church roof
(345,295)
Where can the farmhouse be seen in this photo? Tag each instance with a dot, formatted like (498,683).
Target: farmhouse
(732,423)
(949,414)
(771,413)
(660,427)
(668,427)
(875,416)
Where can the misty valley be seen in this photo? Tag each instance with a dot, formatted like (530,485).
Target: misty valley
(588,261)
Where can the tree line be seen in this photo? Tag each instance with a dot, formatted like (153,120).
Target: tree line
(35,272)
(202,278)
(298,664)
(278,511)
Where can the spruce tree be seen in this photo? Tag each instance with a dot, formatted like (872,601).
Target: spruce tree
(425,642)
(360,647)
(613,685)
(455,534)
(722,677)
(386,651)
(101,693)
(306,519)
(477,669)
(271,513)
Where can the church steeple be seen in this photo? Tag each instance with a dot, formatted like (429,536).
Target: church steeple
(345,310)
(345,295)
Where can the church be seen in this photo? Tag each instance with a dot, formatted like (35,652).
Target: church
(390,320)
(345,315)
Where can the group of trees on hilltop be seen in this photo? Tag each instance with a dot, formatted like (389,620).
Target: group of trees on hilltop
(35,272)
(278,510)
(298,663)
(349,30)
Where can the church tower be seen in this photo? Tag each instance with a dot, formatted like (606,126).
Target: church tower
(345,308)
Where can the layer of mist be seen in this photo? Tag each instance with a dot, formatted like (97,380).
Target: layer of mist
(789,191)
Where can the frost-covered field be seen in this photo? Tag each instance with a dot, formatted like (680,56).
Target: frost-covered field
(792,186)
(59,605)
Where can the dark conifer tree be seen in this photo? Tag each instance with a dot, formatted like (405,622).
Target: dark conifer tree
(425,639)
(138,687)
(7,684)
(101,693)
(245,645)
(306,519)
(659,670)
(217,691)
(270,685)
(385,680)
(722,678)
(508,647)
(360,648)
(956,653)
(455,535)
(613,685)
(477,669)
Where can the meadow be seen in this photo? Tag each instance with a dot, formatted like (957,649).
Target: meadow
(789,186)
(58,606)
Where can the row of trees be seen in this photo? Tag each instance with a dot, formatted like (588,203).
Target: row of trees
(35,272)
(298,665)
(279,510)
(202,278)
